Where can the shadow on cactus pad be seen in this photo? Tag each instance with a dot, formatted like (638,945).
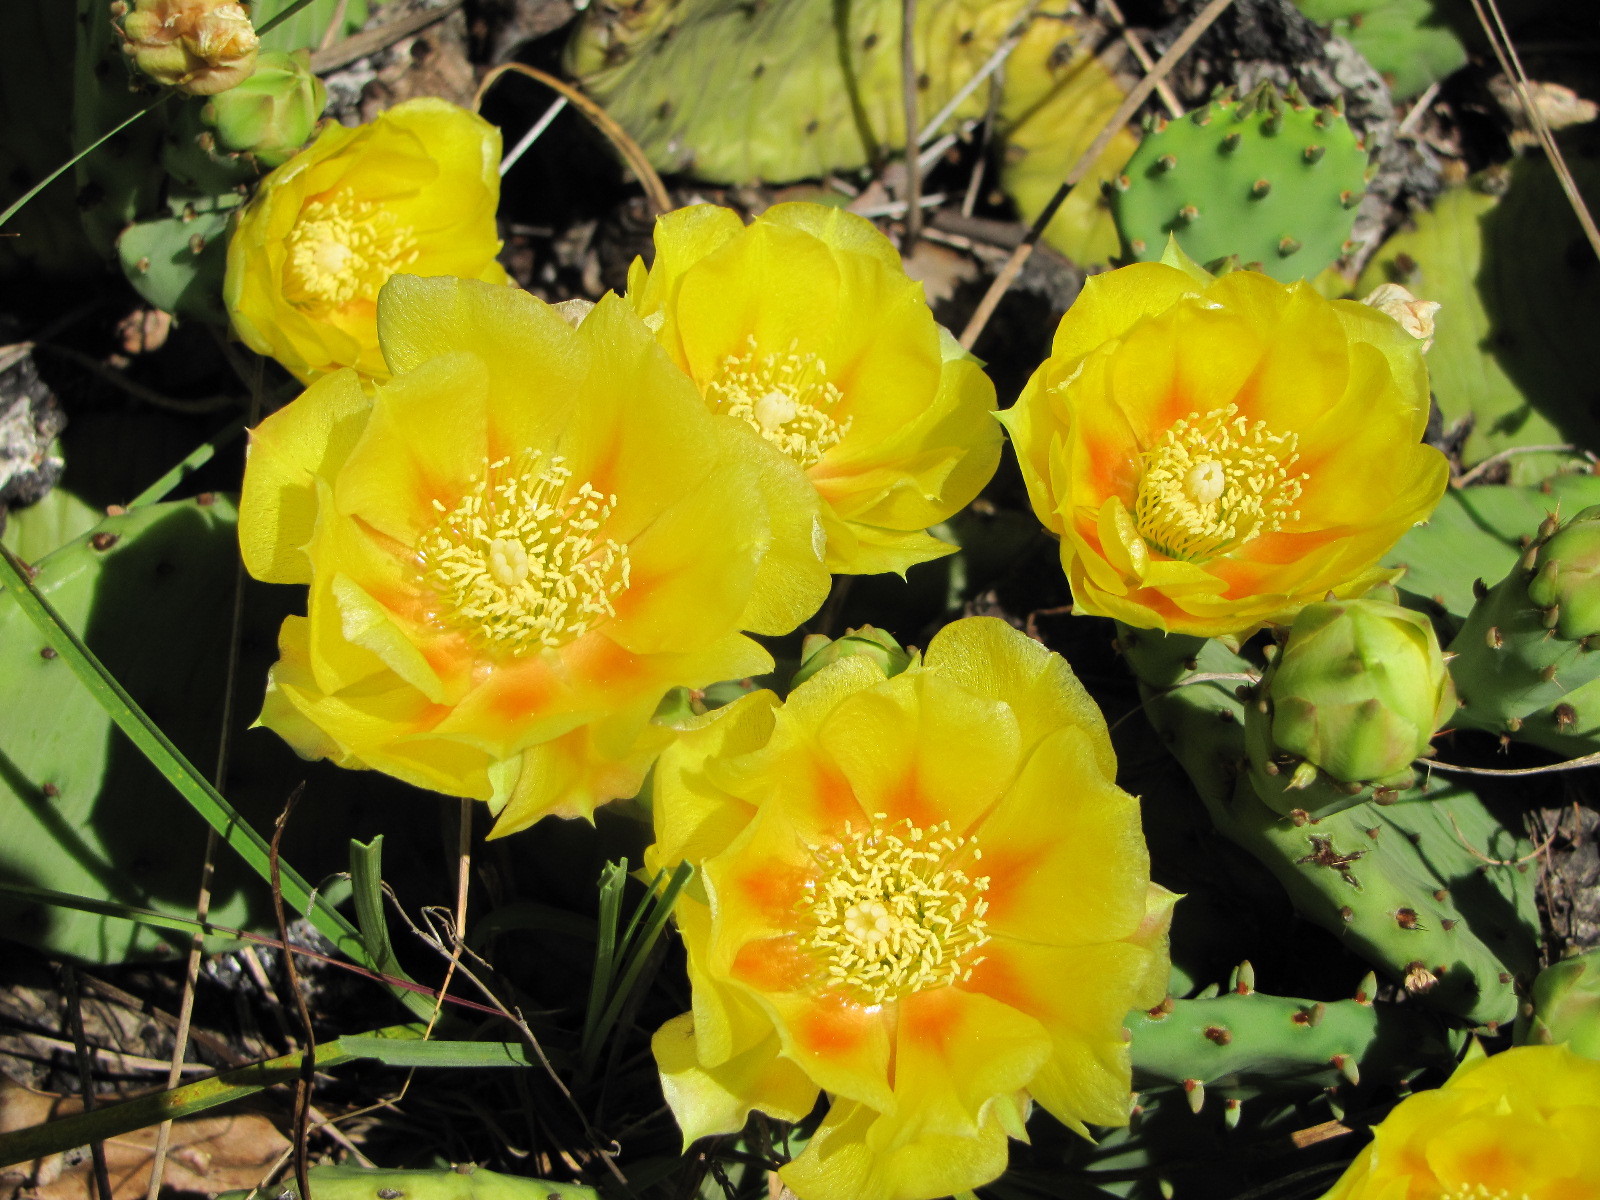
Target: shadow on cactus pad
(82,811)
(1514,359)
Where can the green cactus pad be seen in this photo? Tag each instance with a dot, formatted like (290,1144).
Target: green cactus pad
(305,28)
(83,812)
(1242,1044)
(1412,43)
(799,89)
(1271,180)
(1404,885)
(1517,652)
(178,264)
(1481,526)
(1514,357)
(456,1183)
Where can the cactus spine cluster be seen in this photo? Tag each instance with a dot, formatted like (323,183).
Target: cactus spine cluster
(1267,179)
(1530,640)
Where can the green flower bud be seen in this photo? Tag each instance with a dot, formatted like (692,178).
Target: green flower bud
(1566,580)
(197,46)
(271,114)
(817,652)
(1352,698)
(1566,1005)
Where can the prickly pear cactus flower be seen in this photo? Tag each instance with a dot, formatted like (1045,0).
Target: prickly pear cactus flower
(515,547)
(414,191)
(805,326)
(197,46)
(1216,453)
(1515,1126)
(922,894)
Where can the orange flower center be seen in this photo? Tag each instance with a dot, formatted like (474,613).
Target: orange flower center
(786,398)
(1215,482)
(342,250)
(891,916)
(517,562)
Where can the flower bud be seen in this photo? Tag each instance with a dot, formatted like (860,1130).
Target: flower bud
(1567,576)
(1351,698)
(1566,1005)
(197,46)
(869,641)
(271,114)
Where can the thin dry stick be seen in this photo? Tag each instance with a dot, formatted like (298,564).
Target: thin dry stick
(308,1061)
(1140,93)
(432,938)
(219,773)
(655,191)
(370,41)
(331,33)
(1135,44)
(463,879)
(191,975)
(1511,64)
(908,92)
(1497,862)
(97,1149)
(1467,477)
(1572,764)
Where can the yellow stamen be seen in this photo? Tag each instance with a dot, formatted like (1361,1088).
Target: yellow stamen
(516,562)
(342,250)
(1215,482)
(1480,1191)
(891,915)
(786,398)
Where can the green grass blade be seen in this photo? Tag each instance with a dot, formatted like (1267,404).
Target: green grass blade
(659,905)
(613,878)
(459,1055)
(28,195)
(199,457)
(187,926)
(269,26)
(115,1120)
(172,764)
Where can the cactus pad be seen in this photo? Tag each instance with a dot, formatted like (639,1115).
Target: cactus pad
(1514,359)
(799,88)
(82,811)
(1267,178)
(1404,885)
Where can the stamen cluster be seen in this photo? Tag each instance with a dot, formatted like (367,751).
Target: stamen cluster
(342,250)
(891,915)
(517,562)
(786,398)
(1215,482)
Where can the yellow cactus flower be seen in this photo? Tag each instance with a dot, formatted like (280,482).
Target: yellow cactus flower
(924,895)
(1216,453)
(806,326)
(1518,1125)
(197,46)
(516,547)
(413,191)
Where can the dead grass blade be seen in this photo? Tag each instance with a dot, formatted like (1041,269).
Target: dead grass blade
(1140,93)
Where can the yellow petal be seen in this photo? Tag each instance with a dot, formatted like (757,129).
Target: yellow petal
(712,1100)
(306,438)
(860,1154)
